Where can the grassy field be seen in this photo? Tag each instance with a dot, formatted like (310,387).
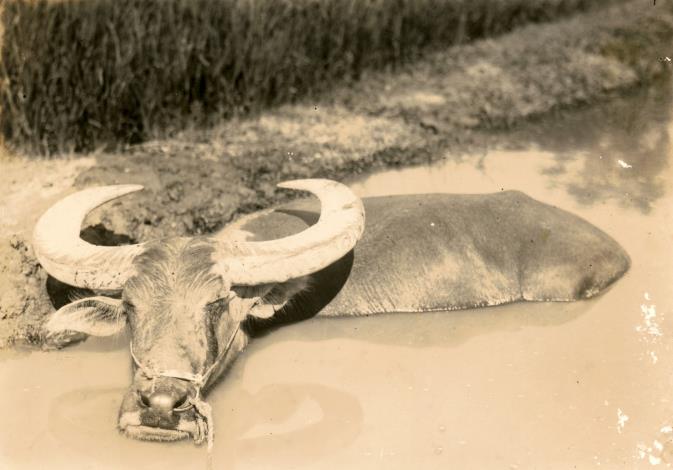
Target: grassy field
(77,75)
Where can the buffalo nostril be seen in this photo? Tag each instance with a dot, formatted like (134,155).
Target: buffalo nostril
(144,399)
(180,403)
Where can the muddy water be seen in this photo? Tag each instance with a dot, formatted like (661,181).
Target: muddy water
(551,386)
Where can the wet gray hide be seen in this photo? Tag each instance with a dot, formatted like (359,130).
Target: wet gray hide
(446,252)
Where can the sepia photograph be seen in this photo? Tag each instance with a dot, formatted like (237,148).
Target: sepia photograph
(336,234)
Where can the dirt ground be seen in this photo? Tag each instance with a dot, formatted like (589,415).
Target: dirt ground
(452,102)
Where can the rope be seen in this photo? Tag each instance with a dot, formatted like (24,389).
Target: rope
(205,428)
(206,411)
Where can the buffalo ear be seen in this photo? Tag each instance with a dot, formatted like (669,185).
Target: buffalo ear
(242,301)
(263,301)
(97,316)
(262,310)
(250,300)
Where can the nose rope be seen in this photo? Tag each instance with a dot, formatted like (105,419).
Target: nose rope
(199,380)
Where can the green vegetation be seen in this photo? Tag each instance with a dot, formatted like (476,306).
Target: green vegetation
(81,74)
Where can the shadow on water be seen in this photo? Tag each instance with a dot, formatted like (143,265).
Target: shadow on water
(596,145)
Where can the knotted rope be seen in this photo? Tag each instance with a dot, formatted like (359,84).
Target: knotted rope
(204,427)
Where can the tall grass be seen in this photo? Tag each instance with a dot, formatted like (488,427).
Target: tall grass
(79,74)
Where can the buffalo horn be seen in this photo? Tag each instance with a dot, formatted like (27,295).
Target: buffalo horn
(339,227)
(68,258)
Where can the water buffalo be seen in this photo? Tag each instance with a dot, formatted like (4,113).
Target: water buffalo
(193,304)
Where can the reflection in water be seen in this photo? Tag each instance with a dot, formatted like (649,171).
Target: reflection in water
(439,329)
(294,423)
(337,424)
(596,145)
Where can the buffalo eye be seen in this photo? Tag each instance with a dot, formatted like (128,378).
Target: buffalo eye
(216,306)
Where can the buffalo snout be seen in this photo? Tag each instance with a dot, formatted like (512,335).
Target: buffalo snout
(164,395)
(159,409)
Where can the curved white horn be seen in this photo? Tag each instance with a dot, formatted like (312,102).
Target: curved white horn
(338,229)
(68,258)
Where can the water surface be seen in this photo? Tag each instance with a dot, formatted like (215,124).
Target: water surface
(567,385)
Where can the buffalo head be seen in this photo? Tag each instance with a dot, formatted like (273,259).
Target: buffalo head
(184,299)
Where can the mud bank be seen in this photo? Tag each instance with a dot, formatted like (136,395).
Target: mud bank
(451,103)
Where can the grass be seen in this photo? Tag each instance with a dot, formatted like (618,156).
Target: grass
(77,75)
